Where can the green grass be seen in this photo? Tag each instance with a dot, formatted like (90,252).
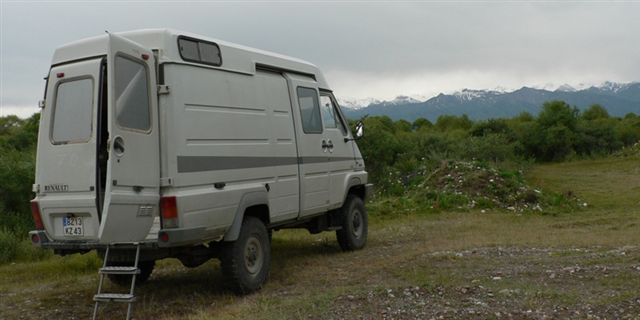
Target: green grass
(56,267)
(606,184)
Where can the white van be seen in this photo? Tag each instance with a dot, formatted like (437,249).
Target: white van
(193,148)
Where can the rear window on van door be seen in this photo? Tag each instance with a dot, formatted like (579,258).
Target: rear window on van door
(309,110)
(132,94)
(72,111)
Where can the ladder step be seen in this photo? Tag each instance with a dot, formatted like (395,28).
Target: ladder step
(128,298)
(115,297)
(119,270)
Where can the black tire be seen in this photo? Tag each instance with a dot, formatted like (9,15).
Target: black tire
(355,228)
(246,261)
(124,280)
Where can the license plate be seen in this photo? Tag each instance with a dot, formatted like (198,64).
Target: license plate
(72,226)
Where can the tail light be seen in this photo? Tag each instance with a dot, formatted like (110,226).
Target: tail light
(163,236)
(35,238)
(37,217)
(169,212)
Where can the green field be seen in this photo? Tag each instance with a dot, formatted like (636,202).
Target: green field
(496,264)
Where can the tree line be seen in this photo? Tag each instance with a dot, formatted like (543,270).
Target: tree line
(559,132)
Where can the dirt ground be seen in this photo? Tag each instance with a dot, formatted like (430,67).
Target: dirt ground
(509,283)
(388,280)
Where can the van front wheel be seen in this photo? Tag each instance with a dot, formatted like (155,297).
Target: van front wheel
(353,234)
(246,261)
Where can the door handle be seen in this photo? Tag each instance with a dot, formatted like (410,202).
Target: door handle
(330,144)
(325,146)
(118,146)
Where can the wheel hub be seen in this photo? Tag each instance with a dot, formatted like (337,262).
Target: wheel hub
(356,224)
(253,256)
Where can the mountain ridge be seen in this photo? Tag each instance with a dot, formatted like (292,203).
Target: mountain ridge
(618,98)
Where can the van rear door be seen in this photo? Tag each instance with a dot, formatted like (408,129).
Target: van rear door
(66,158)
(133,170)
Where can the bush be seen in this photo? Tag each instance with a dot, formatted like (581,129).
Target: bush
(447,122)
(597,137)
(17,166)
(17,174)
(495,147)
(17,247)
(8,246)
(491,126)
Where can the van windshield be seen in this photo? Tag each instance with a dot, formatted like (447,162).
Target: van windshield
(72,111)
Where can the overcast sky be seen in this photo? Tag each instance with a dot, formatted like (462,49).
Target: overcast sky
(378,50)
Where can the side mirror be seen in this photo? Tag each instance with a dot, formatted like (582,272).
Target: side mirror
(359,132)
(359,129)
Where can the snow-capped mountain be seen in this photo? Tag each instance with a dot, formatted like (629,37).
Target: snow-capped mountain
(618,98)
(469,94)
(399,100)
(565,87)
(614,86)
(354,103)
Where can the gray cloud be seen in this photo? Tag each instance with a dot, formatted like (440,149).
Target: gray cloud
(367,49)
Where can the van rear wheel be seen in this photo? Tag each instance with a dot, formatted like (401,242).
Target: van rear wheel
(354,231)
(124,280)
(246,261)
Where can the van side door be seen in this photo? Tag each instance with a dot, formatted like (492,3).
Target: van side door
(340,148)
(133,168)
(313,153)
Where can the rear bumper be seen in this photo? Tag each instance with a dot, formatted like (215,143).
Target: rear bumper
(166,238)
(40,239)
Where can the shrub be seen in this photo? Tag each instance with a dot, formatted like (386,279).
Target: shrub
(8,246)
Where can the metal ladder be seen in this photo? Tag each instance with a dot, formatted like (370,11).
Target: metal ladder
(128,298)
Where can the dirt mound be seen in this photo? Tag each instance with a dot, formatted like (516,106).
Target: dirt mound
(472,184)
(629,151)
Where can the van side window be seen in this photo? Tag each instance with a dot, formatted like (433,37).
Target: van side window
(328,117)
(189,49)
(309,110)
(132,94)
(72,111)
(209,53)
(199,51)
(330,114)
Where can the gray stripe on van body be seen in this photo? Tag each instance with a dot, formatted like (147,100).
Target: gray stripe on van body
(213,163)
